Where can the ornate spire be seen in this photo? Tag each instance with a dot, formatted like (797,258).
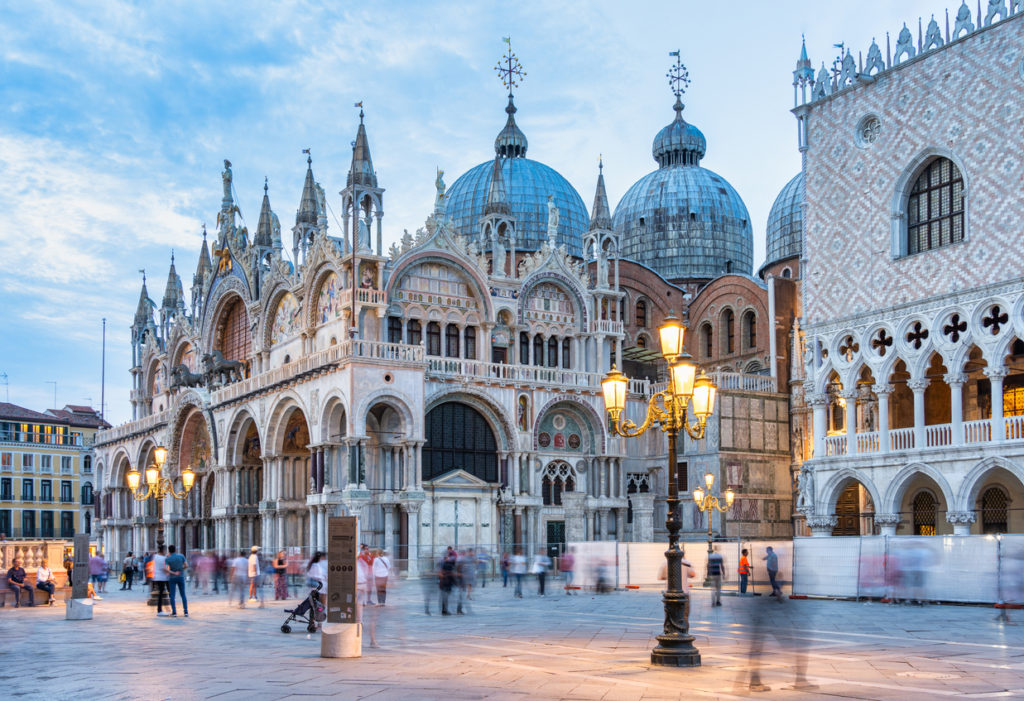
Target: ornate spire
(144,310)
(496,203)
(361,172)
(510,142)
(306,213)
(803,74)
(265,229)
(205,266)
(600,214)
(173,295)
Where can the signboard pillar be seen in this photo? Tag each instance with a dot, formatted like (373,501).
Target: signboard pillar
(79,606)
(342,633)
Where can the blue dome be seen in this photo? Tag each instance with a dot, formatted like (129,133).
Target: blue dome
(527,185)
(786,223)
(679,142)
(685,222)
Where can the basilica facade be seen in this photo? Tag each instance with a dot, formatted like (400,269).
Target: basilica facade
(447,390)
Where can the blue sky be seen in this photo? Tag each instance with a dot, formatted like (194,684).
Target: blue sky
(116,117)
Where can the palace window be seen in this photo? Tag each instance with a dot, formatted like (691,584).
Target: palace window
(65,464)
(552,352)
(6,462)
(641,314)
(394,329)
(5,521)
(28,524)
(935,207)
(538,350)
(433,338)
(524,348)
(28,490)
(28,462)
(750,329)
(46,463)
(707,341)
(6,490)
(470,343)
(67,524)
(65,491)
(558,477)
(994,511)
(924,513)
(415,332)
(45,490)
(87,464)
(46,524)
(451,341)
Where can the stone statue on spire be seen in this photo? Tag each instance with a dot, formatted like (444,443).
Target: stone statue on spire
(552,220)
(227,176)
(439,200)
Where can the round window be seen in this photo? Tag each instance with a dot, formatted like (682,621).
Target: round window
(869,128)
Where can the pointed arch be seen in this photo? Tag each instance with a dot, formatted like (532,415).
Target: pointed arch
(899,484)
(967,495)
(587,412)
(834,486)
(500,421)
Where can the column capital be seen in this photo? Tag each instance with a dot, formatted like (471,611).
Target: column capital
(851,393)
(817,399)
(996,373)
(955,378)
(918,385)
(961,517)
(822,522)
(882,389)
(887,519)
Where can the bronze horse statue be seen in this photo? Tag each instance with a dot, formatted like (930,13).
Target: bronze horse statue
(183,377)
(220,368)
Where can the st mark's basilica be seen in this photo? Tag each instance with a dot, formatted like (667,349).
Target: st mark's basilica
(447,390)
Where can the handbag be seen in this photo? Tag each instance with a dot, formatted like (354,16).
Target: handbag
(122,578)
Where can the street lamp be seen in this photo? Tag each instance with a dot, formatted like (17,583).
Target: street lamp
(669,409)
(706,502)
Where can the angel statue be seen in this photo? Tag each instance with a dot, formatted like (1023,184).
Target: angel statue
(552,219)
(440,186)
(226,175)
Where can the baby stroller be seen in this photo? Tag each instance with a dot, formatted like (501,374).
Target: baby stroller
(311,611)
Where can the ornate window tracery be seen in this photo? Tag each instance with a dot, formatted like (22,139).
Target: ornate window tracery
(935,207)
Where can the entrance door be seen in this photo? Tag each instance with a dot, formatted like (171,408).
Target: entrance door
(556,538)
(848,511)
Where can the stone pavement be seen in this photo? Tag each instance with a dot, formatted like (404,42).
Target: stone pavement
(555,647)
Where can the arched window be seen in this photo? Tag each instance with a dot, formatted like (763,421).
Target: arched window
(787,273)
(451,341)
(750,329)
(641,314)
(707,341)
(538,350)
(935,207)
(470,343)
(641,342)
(415,332)
(394,329)
(433,338)
(235,339)
(524,348)
(471,448)
(87,464)
(86,494)
(566,353)
(924,513)
(729,332)
(552,352)
(993,510)
(558,477)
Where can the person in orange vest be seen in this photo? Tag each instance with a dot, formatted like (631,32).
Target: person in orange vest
(744,571)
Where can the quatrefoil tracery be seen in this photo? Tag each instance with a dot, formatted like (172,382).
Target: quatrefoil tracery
(881,342)
(917,336)
(995,320)
(848,349)
(955,328)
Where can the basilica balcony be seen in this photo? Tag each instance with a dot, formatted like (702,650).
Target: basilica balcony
(322,361)
(503,374)
(606,326)
(132,428)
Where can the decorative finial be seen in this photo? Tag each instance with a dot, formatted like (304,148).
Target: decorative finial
(204,231)
(360,106)
(172,256)
(509,69)
(143,271)
(600,163)
(678,76)
(266,186)
(309,156)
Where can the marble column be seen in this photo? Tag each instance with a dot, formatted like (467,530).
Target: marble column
(412,511)
(995,376)
(850,395)
(819,417)
(314,536)
(883,392)
(887,523)
(918,387)
(956,405)
(389,528)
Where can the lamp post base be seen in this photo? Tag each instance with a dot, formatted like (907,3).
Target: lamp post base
(675,651)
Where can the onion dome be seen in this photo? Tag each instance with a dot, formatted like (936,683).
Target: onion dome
(786,223)
(525,187)
(683,221)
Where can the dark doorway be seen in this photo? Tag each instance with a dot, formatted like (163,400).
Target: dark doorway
(848,511)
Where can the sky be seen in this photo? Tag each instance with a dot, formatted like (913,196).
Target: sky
(116,117)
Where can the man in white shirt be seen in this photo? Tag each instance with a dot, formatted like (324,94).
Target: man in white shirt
(239,575)
(45,580)
(518,570)
(381,572)
(254,572)
(160,578)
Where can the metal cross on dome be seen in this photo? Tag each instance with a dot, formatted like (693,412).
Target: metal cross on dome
(678,76)
(509,69)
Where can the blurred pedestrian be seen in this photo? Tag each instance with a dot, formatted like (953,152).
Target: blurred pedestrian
(465,573)
(447,579)
(254,570)
(364,577)
(239,575)
(518,569)
(506,562)
(127,572)
(716,571)
(566,563)
(744,571)
(160,579)
(98,573)
(541,563)
(771,565)
(381,569)
(280,566)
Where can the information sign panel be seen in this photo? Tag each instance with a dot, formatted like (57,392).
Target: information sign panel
(341,569)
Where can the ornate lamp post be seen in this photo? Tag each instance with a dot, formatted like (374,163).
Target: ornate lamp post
(706,502)
(158,487)
(670,410)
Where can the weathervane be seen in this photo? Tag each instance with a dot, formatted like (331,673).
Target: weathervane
(509,69)
(678,76)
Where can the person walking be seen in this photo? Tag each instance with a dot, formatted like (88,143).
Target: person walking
(17,584)
(127,572)
(160,579)
(506,562)
(254,570)
(381,569)
(541,563)
(447,579)
(98,573)
(566,563)
(45,580)
(239,577)
(744,571)
(280,566)
(518,569)
(716,571)
(175,564)
(771,564)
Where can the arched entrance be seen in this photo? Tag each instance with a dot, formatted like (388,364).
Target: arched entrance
(194,527)
(854,510)
(385,473)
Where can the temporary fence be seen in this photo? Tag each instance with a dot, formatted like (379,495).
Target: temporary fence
(967,569)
